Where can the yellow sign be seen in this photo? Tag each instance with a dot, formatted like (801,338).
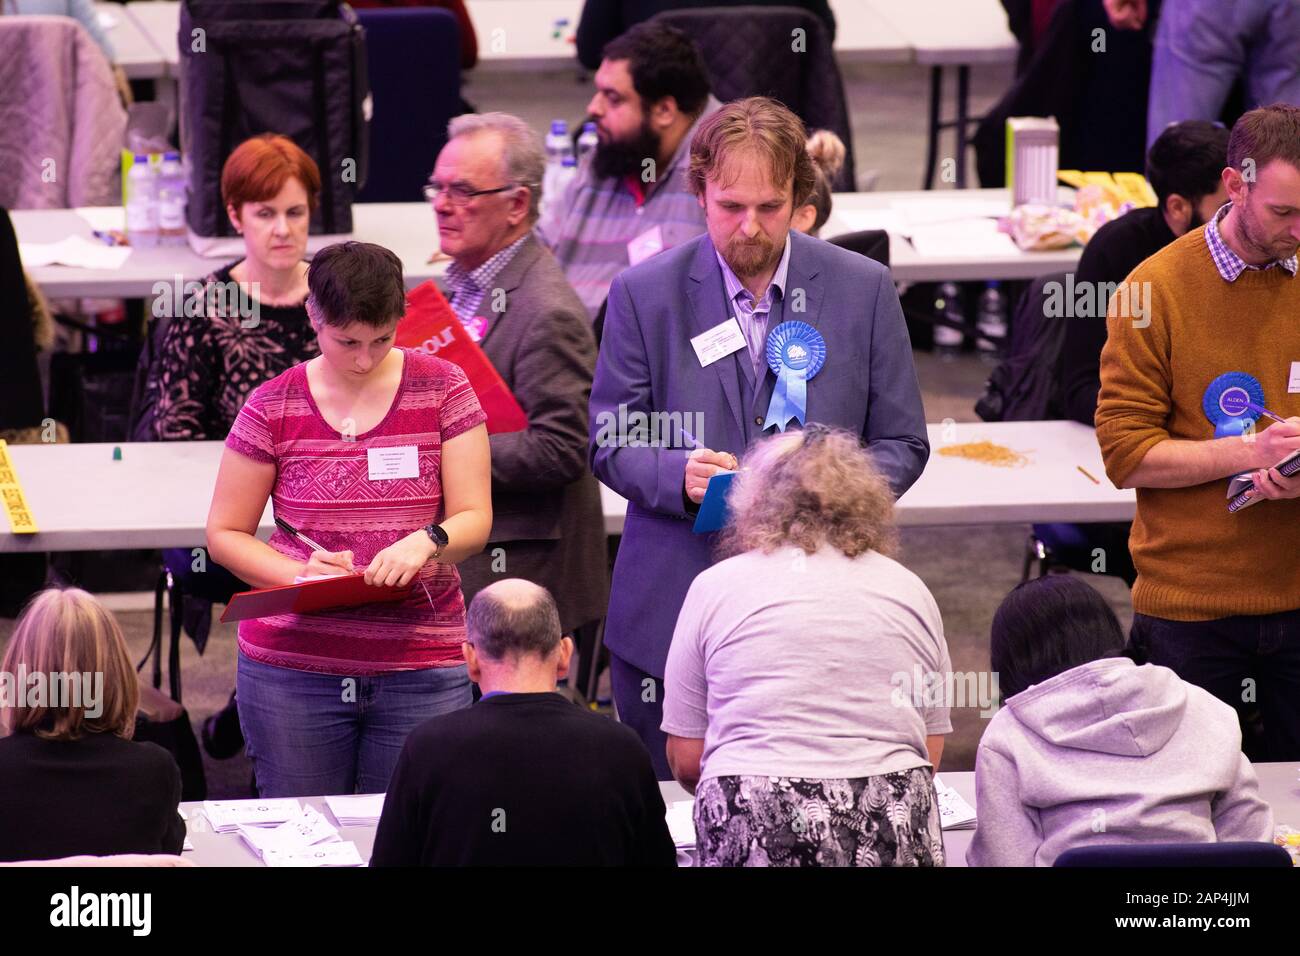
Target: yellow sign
(11,493)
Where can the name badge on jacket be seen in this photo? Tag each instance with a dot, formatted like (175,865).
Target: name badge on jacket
(385,464)
(719,341)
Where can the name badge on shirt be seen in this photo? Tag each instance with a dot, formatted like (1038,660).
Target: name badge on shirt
(718,342)
(388,463)
(1293,382)
(645,245)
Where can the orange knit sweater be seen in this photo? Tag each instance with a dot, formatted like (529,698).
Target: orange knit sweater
(1196,561)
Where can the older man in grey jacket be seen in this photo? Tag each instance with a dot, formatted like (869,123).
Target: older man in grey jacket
(512,297)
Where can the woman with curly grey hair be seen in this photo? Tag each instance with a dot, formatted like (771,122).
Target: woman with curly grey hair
(802,695)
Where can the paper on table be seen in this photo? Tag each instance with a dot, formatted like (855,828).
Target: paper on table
(680,816)
(323,854)
(928,212)
(973,238)
(308,828)
(226,815)
(76,251)
(354,809)
(954,812)
(103,218)
(858,220)
(106,19)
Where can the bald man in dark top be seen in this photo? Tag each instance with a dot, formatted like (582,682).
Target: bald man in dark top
(524,777)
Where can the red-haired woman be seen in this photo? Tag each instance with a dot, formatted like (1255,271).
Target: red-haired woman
(253,324)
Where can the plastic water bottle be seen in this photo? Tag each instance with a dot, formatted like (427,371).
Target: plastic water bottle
(141,204)
(558,146)
(991,322)
(171,201)
(947,305)
(588,141)
(568,170)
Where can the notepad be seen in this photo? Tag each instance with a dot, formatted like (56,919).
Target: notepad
(714,511)
(1241,489)
(954,812)
(329,591)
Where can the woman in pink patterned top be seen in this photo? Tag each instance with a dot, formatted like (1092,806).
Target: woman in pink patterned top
(326,699)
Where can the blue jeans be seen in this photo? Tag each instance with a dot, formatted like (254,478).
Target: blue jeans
(1203,46)
(309,734)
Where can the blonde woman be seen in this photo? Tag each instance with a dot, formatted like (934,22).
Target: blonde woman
(71,779)
(789,694)
(826,150)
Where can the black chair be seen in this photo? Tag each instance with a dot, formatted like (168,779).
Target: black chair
(755,51)
(413,54)
(189,594)
(1176,855)
(872,243)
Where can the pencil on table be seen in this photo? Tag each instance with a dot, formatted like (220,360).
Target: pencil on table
(1086,475)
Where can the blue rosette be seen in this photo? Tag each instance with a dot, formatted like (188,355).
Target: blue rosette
(796,352)
(1227,402)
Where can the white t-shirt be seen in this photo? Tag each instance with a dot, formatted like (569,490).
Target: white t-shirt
(797,665)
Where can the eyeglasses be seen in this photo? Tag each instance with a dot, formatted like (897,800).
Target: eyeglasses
(460,194)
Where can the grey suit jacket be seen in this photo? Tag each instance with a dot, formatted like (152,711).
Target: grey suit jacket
(542,490)
(647,364)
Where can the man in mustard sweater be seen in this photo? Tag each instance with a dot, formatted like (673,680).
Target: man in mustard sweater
(1217,597)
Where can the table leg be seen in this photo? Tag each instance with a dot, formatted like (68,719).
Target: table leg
(963,104)
(932,147)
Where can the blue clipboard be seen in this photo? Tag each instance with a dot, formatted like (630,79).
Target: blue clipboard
(714,513)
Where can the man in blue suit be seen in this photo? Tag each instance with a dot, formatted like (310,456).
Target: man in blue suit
(685,344)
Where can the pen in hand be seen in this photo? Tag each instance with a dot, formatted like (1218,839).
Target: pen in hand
(319,549)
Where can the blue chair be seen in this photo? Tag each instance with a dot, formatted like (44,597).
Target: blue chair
(1176,854)
(413,54)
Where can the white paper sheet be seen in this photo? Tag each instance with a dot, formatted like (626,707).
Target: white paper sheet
(75,251)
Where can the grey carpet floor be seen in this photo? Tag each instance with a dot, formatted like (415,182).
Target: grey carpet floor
(968,569)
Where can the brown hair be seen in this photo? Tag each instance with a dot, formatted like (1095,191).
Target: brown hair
(60,635)
(1265,134)
(356,282)
(259,167)
(808,488)
(756,124)
(826,150)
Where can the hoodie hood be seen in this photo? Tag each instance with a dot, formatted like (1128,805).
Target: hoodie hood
(1109,706)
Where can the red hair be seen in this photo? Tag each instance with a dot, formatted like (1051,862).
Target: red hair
(259,167)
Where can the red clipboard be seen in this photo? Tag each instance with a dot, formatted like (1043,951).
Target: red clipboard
(431,326)
(343,590)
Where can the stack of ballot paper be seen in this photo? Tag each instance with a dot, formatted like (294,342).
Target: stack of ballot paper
(227,816)
(360,810)
(306,840)
(680,815)
(954,812)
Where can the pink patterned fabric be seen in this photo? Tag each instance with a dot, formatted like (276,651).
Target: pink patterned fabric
(323,489)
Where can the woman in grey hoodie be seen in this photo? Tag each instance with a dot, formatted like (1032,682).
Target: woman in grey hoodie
(1090,748)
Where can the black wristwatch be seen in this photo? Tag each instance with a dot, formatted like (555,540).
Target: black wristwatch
(438,537)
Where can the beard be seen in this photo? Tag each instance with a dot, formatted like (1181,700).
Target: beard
(751,257)
(626,158)
(1254,235)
